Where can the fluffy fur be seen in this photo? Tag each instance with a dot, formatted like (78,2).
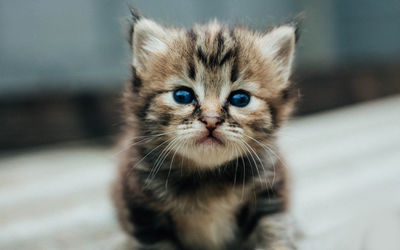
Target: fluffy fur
(174,192)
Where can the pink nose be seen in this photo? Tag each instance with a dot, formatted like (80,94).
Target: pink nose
(211,120)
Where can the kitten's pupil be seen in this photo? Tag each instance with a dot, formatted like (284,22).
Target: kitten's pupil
(239,99)
(183,96)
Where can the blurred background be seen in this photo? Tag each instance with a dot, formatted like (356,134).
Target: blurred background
(62,68)
(63,63)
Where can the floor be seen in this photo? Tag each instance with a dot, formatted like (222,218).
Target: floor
(345,167)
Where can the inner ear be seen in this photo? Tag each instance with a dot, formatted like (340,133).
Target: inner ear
(278,45)
(149,39)
(285,51)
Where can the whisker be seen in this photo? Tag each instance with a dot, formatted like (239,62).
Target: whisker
(267,148)
(164,154)
(261,162)
(269,151)
(189,131)
(244,176)
(161,155)
(154,135)
(237,164)
(160,159)
(146,138)
(148,154)
(170,165)
(251,155)
(129,146)
(248,160)
(184,146)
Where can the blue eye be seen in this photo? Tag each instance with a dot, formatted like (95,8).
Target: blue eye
(239,99)
(184,96)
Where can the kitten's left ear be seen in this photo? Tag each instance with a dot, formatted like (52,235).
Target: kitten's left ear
(278,45)
(146,38)
(132,20)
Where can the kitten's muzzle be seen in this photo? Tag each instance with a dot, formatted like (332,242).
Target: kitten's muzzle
(211,120)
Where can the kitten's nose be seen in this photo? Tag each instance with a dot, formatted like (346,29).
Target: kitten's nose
(211,120)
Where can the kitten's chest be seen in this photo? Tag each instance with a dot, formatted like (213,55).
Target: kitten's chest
(210,224)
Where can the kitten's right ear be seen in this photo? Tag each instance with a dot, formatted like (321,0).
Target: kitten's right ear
(147,39)
(278,45)
(297,23)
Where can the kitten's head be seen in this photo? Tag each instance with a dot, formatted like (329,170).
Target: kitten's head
(212,93)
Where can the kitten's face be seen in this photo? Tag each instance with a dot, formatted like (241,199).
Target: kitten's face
(215,94)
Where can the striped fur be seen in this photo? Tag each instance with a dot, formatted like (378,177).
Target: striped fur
(174,193)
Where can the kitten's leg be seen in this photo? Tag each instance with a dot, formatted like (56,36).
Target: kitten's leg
(148,236)
(146,229)
(274,232)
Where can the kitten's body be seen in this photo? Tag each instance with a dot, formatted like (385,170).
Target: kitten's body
(183,185)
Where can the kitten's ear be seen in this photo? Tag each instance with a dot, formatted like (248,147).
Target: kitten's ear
(278,45)
(297,23)
(132,20)
(147,38)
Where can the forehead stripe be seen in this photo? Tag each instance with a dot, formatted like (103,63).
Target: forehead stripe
(228,55)
(191,70)
(234,70)
(220,44)
(213,59)
(201,56)
(192,35)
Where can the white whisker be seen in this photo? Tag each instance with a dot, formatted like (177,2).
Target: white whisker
(160,159)
(170,166)
(261,162)
(148,155)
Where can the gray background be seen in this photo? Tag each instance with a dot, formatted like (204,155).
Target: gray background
(78,46)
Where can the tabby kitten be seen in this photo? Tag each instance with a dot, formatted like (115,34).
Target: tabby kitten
(200,168)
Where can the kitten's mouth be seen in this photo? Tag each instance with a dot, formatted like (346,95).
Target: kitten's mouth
(210,140)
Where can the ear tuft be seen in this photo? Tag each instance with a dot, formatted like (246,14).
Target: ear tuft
(297,23)
(132,20)
(278,45)
(135,14)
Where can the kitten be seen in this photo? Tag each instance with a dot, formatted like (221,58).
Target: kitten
(200,168)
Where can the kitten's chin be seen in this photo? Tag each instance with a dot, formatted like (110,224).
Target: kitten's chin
(212,158)
(209,153)
(209,143)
